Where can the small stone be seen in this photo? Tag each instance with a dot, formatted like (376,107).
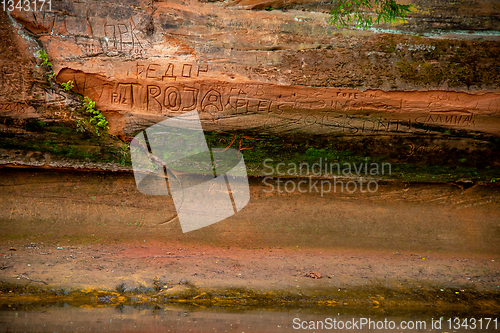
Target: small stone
(314,275)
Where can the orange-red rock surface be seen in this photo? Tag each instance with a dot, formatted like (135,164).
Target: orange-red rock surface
(279,71)
(423,95)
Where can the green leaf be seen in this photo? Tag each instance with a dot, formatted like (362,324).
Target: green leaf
(359,12)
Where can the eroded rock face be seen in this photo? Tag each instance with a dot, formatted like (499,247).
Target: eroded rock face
(147,96)
(268,72)
(37,117)
(150,61)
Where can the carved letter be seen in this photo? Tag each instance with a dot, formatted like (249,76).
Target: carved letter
(153,93)
(172,99)
(212,101)
(191,106)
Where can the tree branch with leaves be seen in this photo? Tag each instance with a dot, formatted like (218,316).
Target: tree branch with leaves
(361,12)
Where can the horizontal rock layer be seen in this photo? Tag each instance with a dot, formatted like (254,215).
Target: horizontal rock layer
(283,73)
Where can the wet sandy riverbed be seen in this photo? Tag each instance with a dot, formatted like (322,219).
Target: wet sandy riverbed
(90,238)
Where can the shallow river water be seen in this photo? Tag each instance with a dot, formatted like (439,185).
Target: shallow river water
(65,318)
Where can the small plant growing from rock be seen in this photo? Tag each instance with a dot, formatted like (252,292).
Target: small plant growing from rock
(45,57)
(80,126)
(124,153)
(97,119)
(68,85)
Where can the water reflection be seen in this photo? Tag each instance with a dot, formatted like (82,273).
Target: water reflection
(65,318)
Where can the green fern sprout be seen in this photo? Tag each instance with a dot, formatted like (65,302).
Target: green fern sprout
(97,119)
(68,85)
(45,57)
